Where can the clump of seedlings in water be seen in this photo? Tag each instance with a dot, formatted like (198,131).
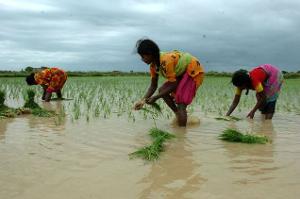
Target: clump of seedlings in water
(228,118)
(233,135)
(7,112)
(34,107)
(3,108)
(152,152)
(30,103)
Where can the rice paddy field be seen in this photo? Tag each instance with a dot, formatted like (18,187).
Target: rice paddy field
(83,151)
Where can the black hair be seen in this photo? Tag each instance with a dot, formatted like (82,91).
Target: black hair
(241,78)
(149,47)
(30,79)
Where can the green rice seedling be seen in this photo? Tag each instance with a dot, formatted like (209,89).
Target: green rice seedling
(156,110)
(233,135)
(228,118)
(97,110)
(156,107)
(29,102)
(152,152)
(36,110)
(156,133)
(5,111)
(2,98)
(42,112)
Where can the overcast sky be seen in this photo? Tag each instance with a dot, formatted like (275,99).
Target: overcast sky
(101,34)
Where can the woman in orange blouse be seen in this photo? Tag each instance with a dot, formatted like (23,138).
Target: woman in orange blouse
(51,79)
(183,72)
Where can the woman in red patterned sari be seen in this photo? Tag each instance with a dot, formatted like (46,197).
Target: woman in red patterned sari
(51,79)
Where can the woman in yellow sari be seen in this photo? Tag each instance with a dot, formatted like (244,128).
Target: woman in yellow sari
(183,72)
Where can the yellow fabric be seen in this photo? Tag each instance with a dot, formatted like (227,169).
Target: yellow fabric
(168,63)
(238,91)
(259,88)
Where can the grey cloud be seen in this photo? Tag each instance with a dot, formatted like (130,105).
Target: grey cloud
(100,35)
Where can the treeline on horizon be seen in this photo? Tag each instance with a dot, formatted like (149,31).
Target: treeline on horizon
(28,70)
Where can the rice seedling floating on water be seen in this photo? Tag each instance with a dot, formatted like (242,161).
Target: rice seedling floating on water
(35,108)
(152,152)
(157,133)
(233,135)
(228,118)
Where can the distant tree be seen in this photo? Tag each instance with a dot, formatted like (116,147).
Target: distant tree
(44,67)
(29,69)
(284,72)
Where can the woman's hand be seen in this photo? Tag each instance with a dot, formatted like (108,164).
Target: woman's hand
(251,114)
(151,100)
(139,104)
(234,104)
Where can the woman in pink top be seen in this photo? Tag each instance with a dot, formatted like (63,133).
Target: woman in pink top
(266,80)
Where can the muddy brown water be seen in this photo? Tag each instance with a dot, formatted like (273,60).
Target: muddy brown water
(41,158)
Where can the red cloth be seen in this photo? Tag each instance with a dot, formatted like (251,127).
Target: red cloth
(258,76)
(186,90)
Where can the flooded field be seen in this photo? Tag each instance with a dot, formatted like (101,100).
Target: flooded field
(83,151)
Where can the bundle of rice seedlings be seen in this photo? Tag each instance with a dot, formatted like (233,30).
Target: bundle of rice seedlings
(233,135)
(42,112)
(152,152)
(155,109)
(228,118)
(35,108)
(156,133)
(29,102)
(5,111)
(2,98)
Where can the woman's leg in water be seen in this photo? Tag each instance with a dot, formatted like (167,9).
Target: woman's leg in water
(182,114)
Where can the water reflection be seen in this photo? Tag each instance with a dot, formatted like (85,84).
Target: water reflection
(254,160)
(3,126)
(56,123)
(176,174)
